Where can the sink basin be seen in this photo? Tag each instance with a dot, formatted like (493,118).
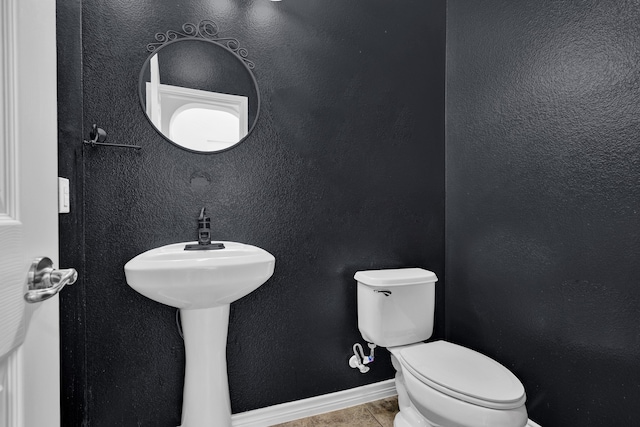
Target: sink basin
(199,279)
(202,284)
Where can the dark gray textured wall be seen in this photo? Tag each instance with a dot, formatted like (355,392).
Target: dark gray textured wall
(543,229)
(344,171)
(70,165)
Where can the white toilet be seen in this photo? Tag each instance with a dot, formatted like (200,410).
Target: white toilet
(439,383)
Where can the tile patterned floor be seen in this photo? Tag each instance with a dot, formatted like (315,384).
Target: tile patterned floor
(373,414)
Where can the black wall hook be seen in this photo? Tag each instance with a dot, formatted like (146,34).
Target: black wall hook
(97,136)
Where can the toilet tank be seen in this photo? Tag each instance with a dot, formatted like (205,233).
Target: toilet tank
(396,306)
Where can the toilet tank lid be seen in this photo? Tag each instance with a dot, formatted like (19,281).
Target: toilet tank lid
(395,277)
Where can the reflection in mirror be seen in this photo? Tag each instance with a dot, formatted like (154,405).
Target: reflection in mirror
(198,90)
(202,128)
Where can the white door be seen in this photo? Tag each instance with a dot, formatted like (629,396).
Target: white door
(29,333)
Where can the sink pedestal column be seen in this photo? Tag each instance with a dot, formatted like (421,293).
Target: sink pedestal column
(206,400)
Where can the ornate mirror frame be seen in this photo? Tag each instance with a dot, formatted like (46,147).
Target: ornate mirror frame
(207,31)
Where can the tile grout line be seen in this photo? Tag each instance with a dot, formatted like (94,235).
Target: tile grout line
(366,406)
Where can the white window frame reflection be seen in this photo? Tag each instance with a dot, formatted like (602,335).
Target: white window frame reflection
(193,125)
(164,103)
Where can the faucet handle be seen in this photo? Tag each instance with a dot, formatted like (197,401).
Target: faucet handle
(204,229)
(204,235)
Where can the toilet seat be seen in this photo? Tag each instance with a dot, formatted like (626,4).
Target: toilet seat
(463,374)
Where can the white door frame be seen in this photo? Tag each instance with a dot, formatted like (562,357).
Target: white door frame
(28,172)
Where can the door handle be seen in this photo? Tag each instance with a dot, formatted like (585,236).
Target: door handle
(44,281)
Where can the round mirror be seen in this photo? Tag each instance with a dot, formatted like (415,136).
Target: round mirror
(199,94)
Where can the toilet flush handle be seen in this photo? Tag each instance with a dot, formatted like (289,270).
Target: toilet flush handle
(385,292)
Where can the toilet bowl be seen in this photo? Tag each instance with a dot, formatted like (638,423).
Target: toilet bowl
(450,385)
(439,384)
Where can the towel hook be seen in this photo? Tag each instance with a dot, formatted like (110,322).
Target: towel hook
(97,136)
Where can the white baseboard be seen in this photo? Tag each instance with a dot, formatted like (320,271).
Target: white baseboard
(284,412)
(290,411)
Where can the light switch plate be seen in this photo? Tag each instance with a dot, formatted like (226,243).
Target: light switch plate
(64,205)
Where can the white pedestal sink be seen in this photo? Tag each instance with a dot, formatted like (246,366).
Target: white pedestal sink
(202,284)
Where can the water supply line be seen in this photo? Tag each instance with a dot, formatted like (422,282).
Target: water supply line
(359,360)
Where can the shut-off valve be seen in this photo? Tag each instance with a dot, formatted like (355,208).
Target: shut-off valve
(359,360)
